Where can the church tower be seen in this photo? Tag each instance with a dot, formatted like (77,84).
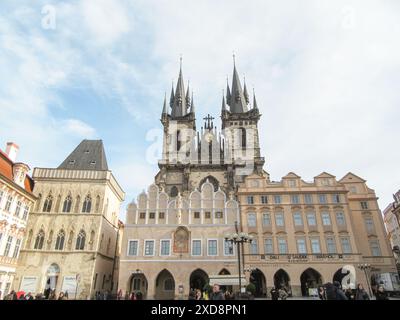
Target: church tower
(240,126)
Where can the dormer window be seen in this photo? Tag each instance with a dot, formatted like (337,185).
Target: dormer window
(71,161)
(86,151)
(93,162)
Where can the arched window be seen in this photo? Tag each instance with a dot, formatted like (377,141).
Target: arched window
(78,202)
(174,191)
(67,204)
(60,240)
(87,204)
(178,140)
(243,137)
(97,204)
(39,240)
(80,240)
(169,284)
(48,203)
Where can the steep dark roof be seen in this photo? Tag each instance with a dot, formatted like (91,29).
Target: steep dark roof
(88,155)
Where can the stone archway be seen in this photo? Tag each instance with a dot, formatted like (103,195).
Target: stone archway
(211,180)
(310,279)
(165,286)
(137,283)
(282,280)
(198,279)
(258,279)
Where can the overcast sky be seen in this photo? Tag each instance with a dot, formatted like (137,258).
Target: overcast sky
(326,76)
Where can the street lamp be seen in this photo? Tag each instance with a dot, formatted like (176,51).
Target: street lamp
(365,267)
(238,238)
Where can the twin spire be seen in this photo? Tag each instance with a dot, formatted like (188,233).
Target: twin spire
(182,104)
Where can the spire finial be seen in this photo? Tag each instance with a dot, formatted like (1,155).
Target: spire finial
(180,61)
(234,58)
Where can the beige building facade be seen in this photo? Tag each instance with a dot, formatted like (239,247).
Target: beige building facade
(391,218)
(73,231)
(310,233)
(173,244)
(16,201)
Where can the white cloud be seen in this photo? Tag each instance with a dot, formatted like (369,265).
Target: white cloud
(79,128)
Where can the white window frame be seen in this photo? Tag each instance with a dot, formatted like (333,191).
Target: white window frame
(255,219)
(154,247)
(315,219)
(319,245)
(327,246)
(255,241)
(201,248)
(306,196)
(337,220)
(329,217)
(286,245)
(137,249)
(272,244)
(283,219)
(350,246)
(208,253)
(169,250)
(298,214)
(305,245)
(269,218)
(233,249)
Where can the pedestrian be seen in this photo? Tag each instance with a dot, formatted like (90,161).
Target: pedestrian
(139,296)
(217,294)
(274,294)
(198,295)
(191,295)
(321,293)
(61,296)
(133,296)
(66,295)
(339,292)
(381,294)
(119,294)
(29,296)
(283,294)
(361,294)
(52,295)
(349,294)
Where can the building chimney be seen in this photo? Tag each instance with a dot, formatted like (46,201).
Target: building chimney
(12,151)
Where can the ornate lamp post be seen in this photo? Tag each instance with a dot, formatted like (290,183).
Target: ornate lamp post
(365,267)
(238,239)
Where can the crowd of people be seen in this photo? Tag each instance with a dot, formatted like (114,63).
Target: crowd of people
(216,294)
(48,295)
(334,291)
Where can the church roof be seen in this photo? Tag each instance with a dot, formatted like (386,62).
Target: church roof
(88,155)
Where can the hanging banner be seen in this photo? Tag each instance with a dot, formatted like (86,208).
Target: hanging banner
(69,285)
(28,284)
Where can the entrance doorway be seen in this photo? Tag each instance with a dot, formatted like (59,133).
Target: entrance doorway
(282,280)
(165,286)
(198,279)
(258,279)
(138,284)
(310,279)
(52,274)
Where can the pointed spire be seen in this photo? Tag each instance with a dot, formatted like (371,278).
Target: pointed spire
(192,105)
(187,97)
(228,93)
(179,106)
(238,101)
(223,108)
(172,97)
(164,111)
(255,107)
(245,93)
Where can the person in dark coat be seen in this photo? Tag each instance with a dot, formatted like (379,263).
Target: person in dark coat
(381,294)
(217,294)
(321,293)
(274,294)
(339,293)
(361,294)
